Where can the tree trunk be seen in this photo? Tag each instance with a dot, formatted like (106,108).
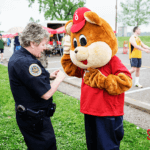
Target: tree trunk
(54,2)
(138,11)
(69,11)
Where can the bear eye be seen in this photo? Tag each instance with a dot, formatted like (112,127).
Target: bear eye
(83,40)
(75,42)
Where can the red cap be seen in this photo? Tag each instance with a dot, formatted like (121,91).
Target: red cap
(78,19)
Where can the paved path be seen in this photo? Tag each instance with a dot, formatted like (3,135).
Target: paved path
(135,97)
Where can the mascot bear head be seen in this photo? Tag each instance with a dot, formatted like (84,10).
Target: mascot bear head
(93,42)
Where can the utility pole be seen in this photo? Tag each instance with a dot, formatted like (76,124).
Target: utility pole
(116,19)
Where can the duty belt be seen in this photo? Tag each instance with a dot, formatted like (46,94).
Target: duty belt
(29,112)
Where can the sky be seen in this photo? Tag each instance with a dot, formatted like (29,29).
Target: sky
(16,13)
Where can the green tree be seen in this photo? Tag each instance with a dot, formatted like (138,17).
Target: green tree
(32,20)
(58,9)
(135,12)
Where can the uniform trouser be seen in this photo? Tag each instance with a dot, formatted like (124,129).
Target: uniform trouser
(103,133)
(41,139)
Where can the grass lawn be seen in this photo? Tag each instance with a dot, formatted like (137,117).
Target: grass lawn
(144,39)
(68,123)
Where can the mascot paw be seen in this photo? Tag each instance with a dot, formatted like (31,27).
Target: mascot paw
(94,78)
(89,75)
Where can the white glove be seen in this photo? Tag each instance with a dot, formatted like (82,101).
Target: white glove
(67,44)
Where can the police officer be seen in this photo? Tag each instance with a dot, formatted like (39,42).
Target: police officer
(31,89)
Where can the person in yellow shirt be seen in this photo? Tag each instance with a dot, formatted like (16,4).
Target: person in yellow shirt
(136,46)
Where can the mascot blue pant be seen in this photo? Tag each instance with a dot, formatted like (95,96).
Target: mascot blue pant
(103,133)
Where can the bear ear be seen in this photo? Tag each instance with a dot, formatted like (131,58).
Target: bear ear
(92,17)
(68,26)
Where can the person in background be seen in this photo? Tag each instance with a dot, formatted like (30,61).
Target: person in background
(17,43)
(136,46)
(55,46)
(1,48)
(62,46)
(54,43)
(8,41)
(12,45)
(32,91)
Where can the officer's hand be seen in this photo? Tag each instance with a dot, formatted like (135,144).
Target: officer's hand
(67,45)
(54,74)
(60,76)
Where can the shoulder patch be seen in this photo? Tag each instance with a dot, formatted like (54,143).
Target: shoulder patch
(35,70)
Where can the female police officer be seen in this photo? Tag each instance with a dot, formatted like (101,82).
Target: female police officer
(31,89)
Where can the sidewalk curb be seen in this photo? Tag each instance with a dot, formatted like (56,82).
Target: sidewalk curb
(137,104)
(73,83)
(128,101)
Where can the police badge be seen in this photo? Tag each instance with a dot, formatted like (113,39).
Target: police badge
(35,70)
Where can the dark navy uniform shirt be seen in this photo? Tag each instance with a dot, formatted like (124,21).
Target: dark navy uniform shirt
(28,80)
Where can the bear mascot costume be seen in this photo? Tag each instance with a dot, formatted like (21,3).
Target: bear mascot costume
(89,53)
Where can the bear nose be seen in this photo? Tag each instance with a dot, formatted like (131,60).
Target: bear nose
(76,51)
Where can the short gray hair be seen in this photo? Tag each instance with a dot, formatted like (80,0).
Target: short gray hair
(33,32)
